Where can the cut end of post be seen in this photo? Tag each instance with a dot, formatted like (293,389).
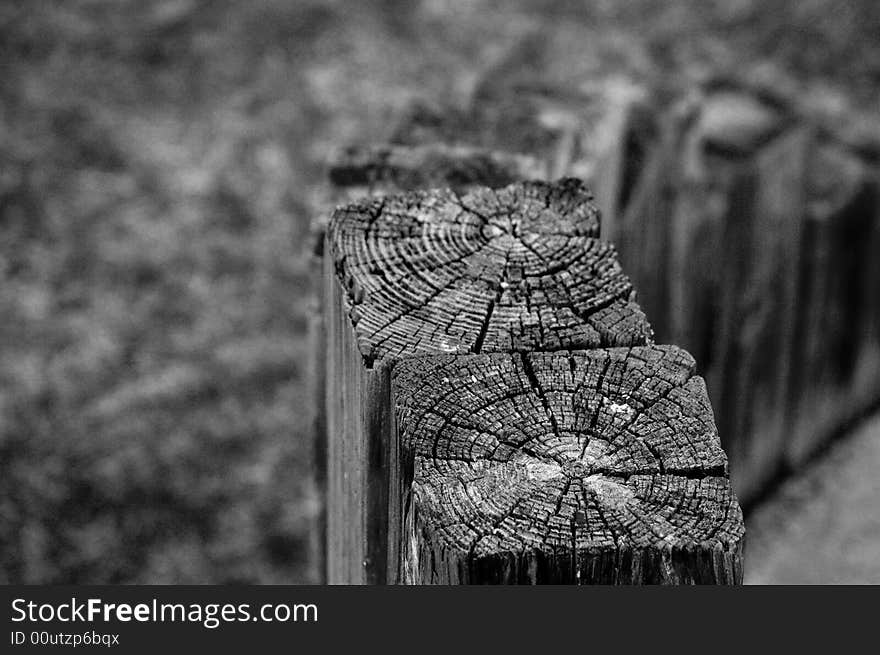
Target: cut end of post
(519,268)
(585,467)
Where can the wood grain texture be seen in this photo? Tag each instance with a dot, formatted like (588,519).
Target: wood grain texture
(358,427)
(512,269)
(586,467)
(412,276)
(374,171)
(749,244)
(518,268)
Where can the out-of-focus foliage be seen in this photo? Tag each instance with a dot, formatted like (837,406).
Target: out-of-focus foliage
(156,164)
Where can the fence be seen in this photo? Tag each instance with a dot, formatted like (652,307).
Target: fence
(748,228)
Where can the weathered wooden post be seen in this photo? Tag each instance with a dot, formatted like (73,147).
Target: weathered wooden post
(589,467)
(757,307)
(745,212)
(373,171)
(495,409)
(749,237)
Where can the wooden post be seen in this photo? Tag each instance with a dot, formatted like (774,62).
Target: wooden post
(723,231)
(832,359)
(608,449)
(749,237)
(590,467)
(757,308)
(603,133)
(712,237)
(458,149)
(643,233)
(373,171)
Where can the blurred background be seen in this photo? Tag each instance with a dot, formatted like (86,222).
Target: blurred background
(158,165)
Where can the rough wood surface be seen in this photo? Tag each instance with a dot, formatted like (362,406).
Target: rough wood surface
(764,272)
(359,424)
(518,268)
(586,467)
(673,174)
(457,297)
(586,133)
(372,171)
